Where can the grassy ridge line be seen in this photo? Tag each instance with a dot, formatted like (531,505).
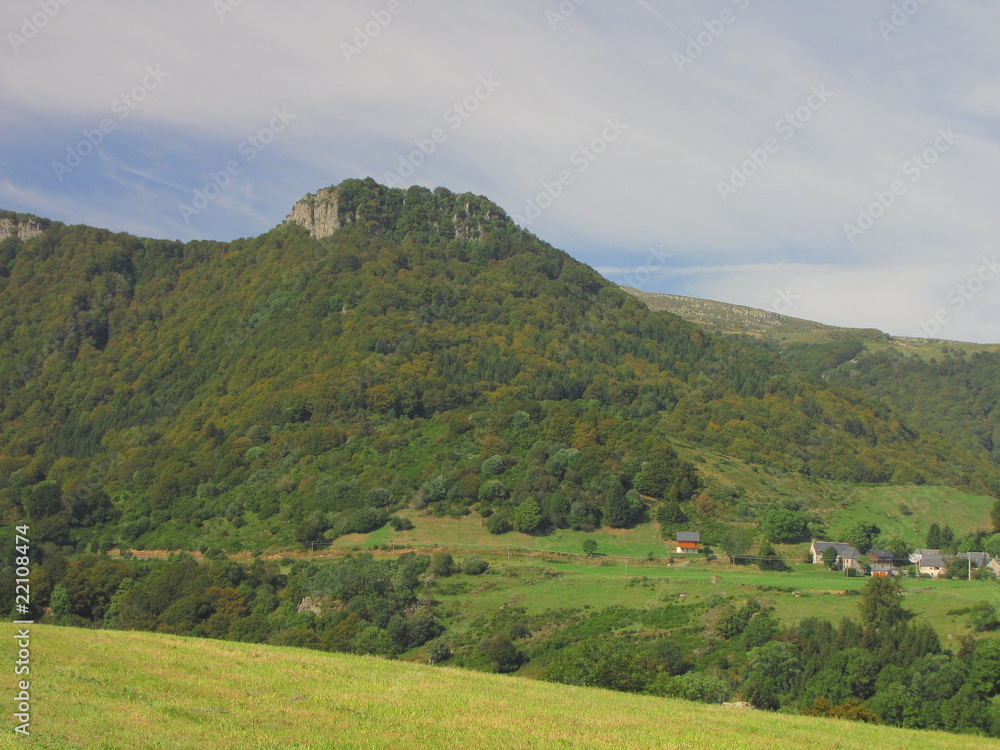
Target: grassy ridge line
(106,690)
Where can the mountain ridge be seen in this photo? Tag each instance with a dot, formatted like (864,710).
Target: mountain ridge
(731,318)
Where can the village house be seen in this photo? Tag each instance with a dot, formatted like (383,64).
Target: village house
(881,557)
(847,555)
(929,562)
(688,541)
(994,565)
(978,559)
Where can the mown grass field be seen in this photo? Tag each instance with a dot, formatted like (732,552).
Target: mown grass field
(106,690)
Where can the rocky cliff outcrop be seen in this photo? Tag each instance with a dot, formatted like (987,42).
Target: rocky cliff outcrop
(318,212)
(381,210)
(22,230)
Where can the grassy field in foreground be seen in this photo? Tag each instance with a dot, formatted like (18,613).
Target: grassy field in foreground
(104,690)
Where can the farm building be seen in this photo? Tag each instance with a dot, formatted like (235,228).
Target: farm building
(688,541)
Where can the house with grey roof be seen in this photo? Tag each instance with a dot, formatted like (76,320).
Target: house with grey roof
(932,563)
(978,559)
(847,555)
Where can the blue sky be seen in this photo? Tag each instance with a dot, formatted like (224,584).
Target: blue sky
(837,161)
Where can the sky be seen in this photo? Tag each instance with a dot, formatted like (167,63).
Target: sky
(835,160)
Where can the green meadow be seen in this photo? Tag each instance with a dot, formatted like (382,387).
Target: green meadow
(104,690)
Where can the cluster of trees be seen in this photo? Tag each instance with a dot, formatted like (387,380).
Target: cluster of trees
(360,605)
(180,394)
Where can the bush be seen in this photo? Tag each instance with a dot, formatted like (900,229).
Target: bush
(498,523)
(502,653)
(378,498)
(400,523)
(475,566)
(442,564)
(983,617)
(438,651)
(494,466)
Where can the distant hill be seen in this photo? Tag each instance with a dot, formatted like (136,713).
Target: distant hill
(114,689)
(723,317)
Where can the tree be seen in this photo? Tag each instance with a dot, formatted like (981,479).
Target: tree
(995,515)
(671,514)
(783,525)
(502,653)
(475,565)
(862,536)
(617,509)
(498,523)
(605,663)
(768,558)
(881,604)
(933,538)
(982,617)
(589,547)
(736,542)
(442,564)
(527,517)
(830,557)
(773,668)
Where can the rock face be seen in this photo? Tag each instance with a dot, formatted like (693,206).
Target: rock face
(383,210)
(318,212)
(23,231)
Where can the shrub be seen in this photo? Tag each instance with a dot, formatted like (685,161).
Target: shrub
(498,523)
(442,564)
(378,498)
(475,566)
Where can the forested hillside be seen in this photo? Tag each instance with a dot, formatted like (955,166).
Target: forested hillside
(428,353)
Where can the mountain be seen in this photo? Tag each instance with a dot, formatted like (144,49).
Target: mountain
(382,349)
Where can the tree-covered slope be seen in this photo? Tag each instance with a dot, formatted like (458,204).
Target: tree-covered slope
(426,352)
